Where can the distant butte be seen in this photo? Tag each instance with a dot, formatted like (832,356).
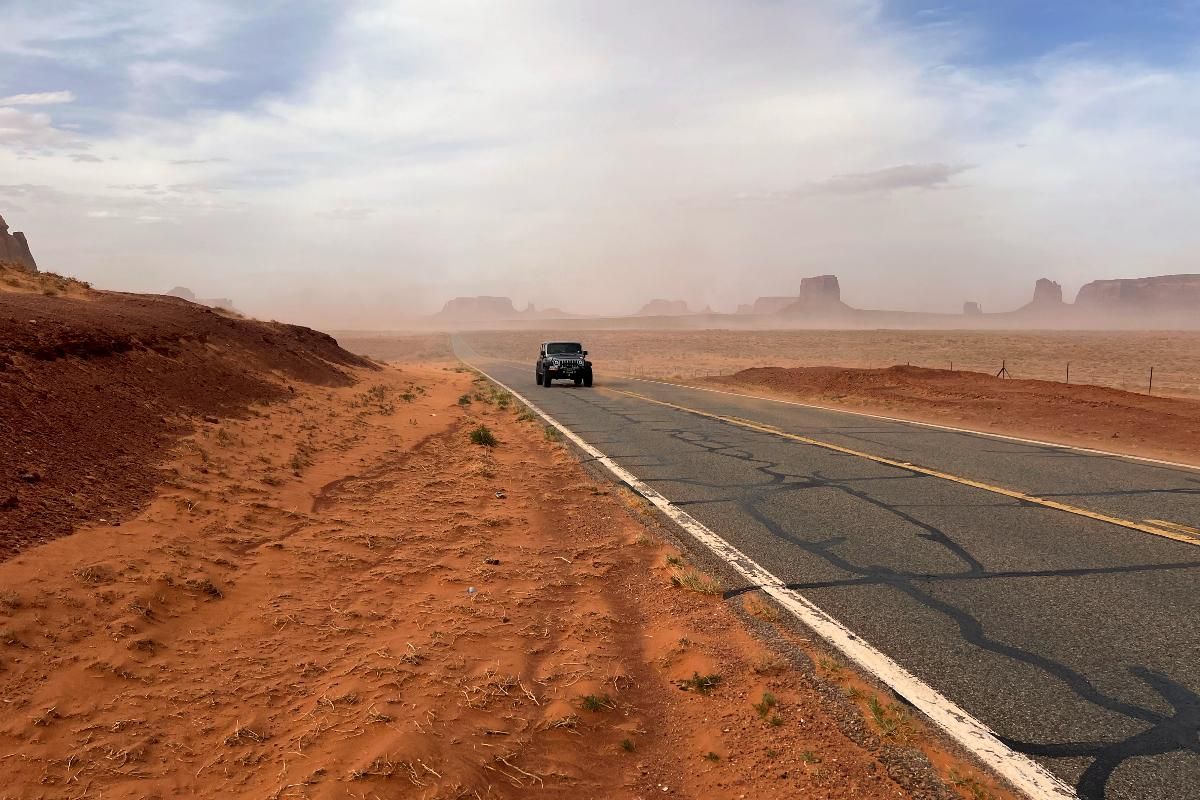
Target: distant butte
(1167,302)
(664,308)
(482,307)
(485,308)
(1162,293)
(1046,295)
(14,248)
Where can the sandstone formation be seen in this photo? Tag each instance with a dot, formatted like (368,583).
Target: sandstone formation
(664,308)
(766,305)
(820,295)
(14,248)
(972,309)
(1169,293)
(1046,294)
(471,311)
(823,290)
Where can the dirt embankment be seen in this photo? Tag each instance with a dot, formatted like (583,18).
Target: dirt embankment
(345,596)
(1087,416)
(95,387)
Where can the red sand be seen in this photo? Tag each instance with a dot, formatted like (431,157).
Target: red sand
(1088,416)
(95,387)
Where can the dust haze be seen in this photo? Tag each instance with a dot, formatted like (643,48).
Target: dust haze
(589,157)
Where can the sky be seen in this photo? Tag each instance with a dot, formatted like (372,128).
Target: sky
(347,163)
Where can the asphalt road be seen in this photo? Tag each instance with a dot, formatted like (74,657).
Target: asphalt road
(1076,640)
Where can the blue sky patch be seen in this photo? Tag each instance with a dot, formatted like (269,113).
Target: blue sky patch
(1002,33)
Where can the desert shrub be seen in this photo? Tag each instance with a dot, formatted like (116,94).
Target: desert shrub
(482,435)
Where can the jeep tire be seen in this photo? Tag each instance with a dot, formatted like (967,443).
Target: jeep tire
(537,376)
(587,379)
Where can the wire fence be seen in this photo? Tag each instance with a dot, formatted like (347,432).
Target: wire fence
(1155,380)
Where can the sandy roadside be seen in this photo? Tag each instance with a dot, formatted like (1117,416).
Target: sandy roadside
(1093,417)
(341,595)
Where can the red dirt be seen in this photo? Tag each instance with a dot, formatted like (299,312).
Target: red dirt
(1088,416)
(95,387)
(408,615)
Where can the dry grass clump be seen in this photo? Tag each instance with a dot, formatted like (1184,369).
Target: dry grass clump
(570,722)
(701,684)
(205,586)
(893,720)
(758,607)
(244,735)
(596,702)
(94,574)
(380,767)
(769,664)
(695,581)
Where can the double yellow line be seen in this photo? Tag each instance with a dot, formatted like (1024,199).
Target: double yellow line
(1156,527)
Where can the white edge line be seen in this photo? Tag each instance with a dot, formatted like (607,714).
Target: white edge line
(1023,773)
(1006,437)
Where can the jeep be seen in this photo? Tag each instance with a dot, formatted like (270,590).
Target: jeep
(563,361)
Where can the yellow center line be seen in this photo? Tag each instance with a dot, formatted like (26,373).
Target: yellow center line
(1167,530)
(1175,526)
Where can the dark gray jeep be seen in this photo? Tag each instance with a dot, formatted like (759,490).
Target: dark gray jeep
(563,361)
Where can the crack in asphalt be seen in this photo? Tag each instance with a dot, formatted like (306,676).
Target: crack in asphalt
(1164,733)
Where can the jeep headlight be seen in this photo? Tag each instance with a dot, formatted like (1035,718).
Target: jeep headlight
(554,362)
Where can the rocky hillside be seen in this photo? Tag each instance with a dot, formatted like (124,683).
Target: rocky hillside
(95,387)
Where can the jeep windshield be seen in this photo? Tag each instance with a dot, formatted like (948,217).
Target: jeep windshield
(560,348)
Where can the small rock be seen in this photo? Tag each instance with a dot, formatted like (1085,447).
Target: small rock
(212,420)
(31,477)
(500,495)
(9,502)
(495,562)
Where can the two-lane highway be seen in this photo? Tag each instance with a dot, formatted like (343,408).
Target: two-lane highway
(1050,592)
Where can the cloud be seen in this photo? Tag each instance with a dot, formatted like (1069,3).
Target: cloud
(904,176)
(581,154)
(346,214)
(147,74)
(38,99)
(29,129)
